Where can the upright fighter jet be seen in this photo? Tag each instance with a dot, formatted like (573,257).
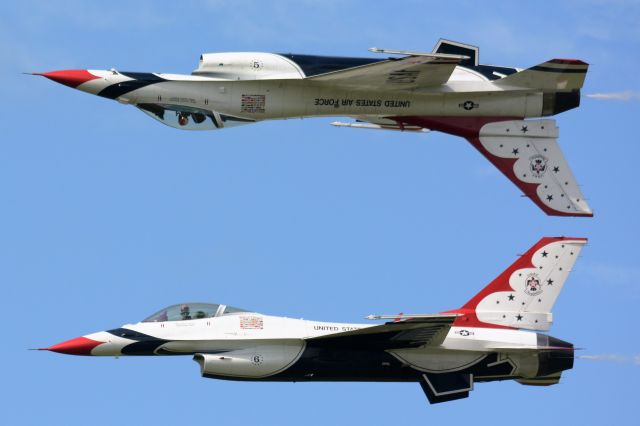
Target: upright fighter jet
(447,90)
(491,337)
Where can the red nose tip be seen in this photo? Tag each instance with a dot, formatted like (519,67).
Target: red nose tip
(77,346)
(71,78)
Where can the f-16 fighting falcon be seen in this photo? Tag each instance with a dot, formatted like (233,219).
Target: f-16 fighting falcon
(447,90)
(491,337)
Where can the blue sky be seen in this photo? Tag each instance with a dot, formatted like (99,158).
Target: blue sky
(108,216)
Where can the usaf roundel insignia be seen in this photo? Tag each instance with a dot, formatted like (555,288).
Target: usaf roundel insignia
(538,165)
(532,285)
(468,105)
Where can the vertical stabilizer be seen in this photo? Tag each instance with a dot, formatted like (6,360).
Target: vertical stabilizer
(524,294)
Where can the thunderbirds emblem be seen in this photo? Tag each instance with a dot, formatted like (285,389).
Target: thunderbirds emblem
(538,165)
(532,285)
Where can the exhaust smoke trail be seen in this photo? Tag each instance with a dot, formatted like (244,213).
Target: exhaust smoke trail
(617,358)
(627,95)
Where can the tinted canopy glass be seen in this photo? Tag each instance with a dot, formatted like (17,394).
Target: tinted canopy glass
(189,311)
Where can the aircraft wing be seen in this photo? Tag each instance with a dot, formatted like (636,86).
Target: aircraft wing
(428,330)
(407,73)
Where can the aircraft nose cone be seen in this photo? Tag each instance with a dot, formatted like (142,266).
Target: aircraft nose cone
(77,346)
(71,78)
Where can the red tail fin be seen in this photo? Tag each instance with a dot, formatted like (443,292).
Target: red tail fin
(524,294)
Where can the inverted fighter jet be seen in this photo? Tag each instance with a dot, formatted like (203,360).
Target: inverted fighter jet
(447,90)
(494,336)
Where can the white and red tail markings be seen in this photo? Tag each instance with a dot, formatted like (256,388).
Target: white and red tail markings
(524,294)
(525,151)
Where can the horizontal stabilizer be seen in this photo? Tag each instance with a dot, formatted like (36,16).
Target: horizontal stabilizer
(556,74)
(552,379)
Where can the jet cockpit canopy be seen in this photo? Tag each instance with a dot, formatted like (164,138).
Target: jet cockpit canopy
(189,311)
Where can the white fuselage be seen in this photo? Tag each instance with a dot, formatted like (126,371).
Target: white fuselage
(296,97)
(281,341)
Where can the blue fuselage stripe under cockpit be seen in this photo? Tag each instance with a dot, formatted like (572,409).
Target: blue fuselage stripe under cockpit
(140,80)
